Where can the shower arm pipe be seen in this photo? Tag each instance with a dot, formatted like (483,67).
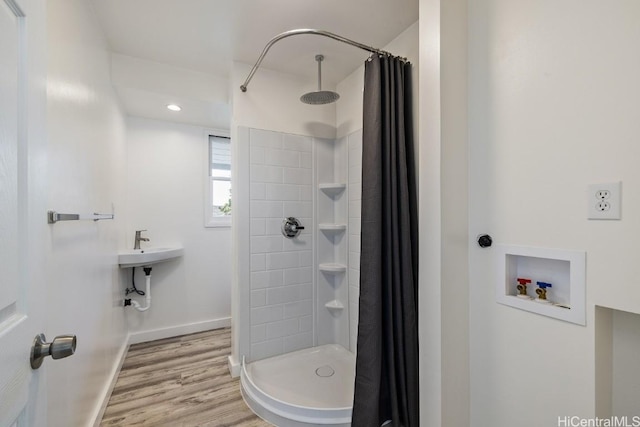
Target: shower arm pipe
(290,33)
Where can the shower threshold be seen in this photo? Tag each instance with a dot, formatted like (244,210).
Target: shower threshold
(304,388)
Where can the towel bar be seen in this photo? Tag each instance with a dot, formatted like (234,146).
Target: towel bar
(53,217)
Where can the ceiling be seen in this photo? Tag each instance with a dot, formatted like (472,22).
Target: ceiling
(208,35)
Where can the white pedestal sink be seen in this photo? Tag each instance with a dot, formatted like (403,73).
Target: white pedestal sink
(147,256)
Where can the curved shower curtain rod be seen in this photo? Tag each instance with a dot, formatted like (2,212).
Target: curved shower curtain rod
(323,33)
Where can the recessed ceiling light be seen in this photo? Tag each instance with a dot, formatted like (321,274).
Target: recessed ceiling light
(174,107)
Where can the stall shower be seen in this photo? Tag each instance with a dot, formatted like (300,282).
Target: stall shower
(299,295)
(298,234)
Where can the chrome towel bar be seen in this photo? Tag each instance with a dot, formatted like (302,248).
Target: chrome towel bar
(53,217)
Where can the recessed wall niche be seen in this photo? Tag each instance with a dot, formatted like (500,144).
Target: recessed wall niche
(560,274)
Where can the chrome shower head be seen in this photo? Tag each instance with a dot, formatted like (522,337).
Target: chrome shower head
(320,97)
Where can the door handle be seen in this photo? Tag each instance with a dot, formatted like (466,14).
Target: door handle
(62,346)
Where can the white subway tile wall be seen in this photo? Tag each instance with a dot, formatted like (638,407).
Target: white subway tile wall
(257,262)
(298,341)
(258,298)
(355,201)
(305,160)
(281,185)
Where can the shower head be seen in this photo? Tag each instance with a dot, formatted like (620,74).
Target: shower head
(319,97)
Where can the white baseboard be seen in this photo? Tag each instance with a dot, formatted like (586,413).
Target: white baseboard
(108,388)
(174,331)
(234,367)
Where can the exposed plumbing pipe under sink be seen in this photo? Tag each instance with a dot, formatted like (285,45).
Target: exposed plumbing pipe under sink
(135,304)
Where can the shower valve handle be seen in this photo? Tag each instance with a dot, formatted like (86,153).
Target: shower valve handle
(291,227)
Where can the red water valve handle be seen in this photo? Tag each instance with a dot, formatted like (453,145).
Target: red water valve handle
(523,281)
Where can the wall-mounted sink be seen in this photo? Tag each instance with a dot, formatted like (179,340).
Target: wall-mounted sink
(147,256)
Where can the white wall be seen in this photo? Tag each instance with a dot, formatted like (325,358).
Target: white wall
(454,187)
(272,101)
(443,297)
(86,174)
(553,108)
(166,180)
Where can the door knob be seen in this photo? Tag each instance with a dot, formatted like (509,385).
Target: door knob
(62,346)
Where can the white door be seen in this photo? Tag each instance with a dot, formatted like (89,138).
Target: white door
(22,102)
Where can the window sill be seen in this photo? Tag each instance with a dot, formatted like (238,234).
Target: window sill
(218,223)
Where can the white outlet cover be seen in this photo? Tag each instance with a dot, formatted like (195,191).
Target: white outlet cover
(604,201)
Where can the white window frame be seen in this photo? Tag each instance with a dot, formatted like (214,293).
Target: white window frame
(211,221)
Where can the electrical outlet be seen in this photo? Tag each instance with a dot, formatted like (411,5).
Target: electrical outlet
(604,201)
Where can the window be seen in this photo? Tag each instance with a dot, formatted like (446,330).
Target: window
(219,203)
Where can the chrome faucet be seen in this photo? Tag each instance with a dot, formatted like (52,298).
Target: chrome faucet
(139,239)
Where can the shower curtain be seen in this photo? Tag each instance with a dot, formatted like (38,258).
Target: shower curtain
(386,384)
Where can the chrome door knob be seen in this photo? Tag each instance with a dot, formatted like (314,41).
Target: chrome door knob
(62,346)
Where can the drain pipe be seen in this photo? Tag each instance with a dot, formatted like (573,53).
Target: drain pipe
(147,292)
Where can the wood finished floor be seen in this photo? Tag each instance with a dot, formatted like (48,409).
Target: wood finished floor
(179,382)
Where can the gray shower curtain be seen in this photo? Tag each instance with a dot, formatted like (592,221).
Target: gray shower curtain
(386,385)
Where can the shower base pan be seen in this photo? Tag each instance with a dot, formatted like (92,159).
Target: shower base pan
(305,388)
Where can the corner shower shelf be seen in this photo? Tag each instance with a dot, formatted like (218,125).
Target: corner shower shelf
(334,306)
(332,188)
(332,227)
(332,268)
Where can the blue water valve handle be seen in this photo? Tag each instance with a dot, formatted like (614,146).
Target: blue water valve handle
(544,285)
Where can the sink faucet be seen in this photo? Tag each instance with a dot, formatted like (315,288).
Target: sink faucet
(139,239)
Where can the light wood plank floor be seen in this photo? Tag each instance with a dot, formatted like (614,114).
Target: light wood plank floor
(179,382)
